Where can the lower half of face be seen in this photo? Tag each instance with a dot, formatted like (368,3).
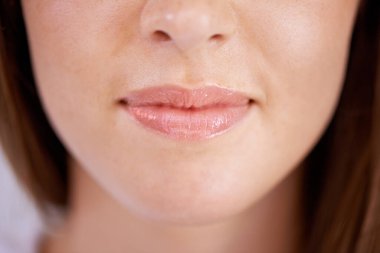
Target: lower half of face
(287,57)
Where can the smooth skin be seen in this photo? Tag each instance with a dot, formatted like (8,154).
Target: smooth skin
(134,190)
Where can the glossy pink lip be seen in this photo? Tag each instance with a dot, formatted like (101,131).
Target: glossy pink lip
(187,114)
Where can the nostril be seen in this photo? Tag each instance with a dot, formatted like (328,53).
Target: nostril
(217,37)
(161,36)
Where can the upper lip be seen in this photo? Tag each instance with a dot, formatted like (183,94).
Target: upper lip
(178,97)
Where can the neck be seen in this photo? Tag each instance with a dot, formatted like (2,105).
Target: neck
(98,223)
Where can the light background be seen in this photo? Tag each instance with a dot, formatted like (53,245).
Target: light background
(20,223)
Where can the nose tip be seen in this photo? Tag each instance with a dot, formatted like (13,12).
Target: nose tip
(188,25)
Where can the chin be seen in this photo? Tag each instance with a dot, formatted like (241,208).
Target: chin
(188,214)
(206,205)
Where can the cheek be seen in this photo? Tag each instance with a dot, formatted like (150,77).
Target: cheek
(299,56)
(302,48)
(71,43)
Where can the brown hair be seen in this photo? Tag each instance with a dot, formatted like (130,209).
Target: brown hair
(342,184)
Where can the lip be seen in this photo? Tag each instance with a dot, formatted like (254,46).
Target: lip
(185,114)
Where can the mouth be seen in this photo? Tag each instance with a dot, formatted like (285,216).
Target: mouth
(184,114)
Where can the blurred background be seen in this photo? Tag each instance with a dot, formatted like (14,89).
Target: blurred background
(20,222)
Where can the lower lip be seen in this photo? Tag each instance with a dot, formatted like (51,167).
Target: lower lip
(188,124)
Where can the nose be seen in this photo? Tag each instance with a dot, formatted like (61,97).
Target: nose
(188,24)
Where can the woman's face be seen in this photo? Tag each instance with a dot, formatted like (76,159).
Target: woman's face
(286,56)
